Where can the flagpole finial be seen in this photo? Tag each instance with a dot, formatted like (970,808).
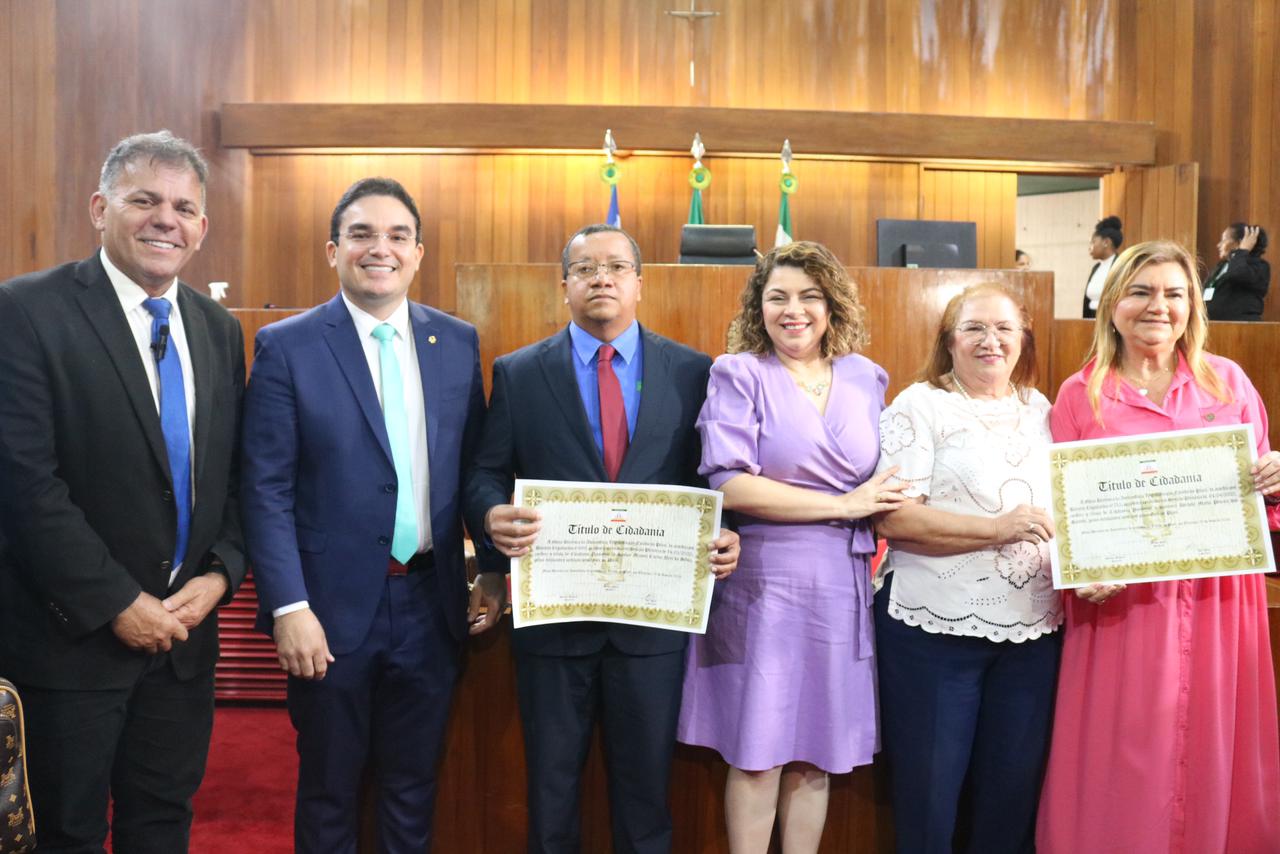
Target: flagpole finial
(698,149)
(786,155)
(609,145)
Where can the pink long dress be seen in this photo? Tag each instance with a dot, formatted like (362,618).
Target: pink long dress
(1165,734)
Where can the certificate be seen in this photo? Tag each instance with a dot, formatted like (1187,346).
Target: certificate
(1157,506)
(618,552)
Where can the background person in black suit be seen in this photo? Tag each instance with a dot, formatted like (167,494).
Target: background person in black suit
(1103,246)
(1237,287)
(545,422)
(118,434)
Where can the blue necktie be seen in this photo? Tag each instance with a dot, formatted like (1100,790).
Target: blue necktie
(173,418)
(404,542)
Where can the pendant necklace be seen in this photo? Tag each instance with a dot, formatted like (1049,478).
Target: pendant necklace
(1144,388)
(816,389)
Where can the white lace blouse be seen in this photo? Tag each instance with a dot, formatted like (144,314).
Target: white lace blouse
(980,458)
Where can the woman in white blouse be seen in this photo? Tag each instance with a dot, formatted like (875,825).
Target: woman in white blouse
(966,616)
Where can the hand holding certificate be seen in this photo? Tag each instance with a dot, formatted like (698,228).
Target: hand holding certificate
(1181,504)
(627,553)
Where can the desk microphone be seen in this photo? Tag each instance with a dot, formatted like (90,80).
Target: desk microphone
(161,343)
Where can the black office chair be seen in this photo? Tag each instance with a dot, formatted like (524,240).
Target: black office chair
(718,244)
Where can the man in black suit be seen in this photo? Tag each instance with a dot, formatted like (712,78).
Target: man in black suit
(553,416)
(119,417)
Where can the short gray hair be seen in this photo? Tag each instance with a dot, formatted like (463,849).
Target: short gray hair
(159,147)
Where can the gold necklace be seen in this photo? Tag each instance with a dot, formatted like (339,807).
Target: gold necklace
(816,389)
(1143,388)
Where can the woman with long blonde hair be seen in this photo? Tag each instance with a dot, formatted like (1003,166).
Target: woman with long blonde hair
(1165,733)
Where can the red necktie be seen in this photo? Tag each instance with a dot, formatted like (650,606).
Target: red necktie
(613,415)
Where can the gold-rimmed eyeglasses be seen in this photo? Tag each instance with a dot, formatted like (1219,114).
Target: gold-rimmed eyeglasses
(979,331)
(590,269)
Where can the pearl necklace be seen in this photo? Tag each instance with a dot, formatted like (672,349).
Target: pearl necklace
(964,392)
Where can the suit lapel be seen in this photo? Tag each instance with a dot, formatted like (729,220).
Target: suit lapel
(558,370)
(344,343)
(652,421)
(102,309)
(196,327)
(430,367)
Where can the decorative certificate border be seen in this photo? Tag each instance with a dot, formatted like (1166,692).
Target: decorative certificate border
(526,611)
(1256,555)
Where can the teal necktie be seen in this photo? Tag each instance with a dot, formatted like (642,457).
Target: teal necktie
(404,543)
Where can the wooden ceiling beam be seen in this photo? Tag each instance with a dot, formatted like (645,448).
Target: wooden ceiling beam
(567,126)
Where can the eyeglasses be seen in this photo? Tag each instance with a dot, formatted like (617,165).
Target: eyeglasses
(978,331)
(590,269)
(397,239)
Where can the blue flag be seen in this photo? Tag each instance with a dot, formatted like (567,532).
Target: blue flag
(614,218)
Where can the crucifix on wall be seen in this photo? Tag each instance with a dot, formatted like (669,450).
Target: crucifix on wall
(692,15)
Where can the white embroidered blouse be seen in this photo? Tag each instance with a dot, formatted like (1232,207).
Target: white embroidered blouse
(974,457)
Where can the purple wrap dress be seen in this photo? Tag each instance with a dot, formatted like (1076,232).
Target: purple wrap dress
(786,670)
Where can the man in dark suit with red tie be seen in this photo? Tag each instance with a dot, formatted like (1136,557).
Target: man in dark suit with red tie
(604,400)
(119,418)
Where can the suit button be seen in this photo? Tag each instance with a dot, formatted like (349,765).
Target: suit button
(166,566)
(384,541)
(167,495)
(388,487)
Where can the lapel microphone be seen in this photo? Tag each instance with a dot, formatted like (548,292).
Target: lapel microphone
(161,343)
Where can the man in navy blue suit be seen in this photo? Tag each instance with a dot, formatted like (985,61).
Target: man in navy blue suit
(603,400)
(361,418)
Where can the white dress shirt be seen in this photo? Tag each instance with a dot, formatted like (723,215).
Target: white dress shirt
(414,404)
(131,296)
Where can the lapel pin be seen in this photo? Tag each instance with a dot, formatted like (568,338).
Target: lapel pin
(431,339)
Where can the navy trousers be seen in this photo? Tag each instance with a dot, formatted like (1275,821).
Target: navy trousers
(385,705)
(637,698)
(961,712)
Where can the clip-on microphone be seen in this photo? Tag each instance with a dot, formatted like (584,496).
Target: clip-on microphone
(161,343)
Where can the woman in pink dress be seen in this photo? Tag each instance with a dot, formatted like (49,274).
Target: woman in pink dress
(1165,734)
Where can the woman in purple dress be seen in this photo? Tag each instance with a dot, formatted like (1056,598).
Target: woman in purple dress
(783,683)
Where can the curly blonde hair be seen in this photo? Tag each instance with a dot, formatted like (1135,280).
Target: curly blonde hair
(1107,350)
(846,318)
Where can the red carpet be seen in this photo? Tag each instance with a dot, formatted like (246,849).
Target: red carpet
(246,801)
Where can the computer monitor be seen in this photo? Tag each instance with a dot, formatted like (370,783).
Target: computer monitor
(926,243)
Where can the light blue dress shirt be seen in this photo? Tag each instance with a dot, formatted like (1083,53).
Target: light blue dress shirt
(628,364)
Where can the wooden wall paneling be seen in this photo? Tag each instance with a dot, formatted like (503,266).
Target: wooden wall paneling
(1158,202)
(1018,59)
(28,172)
(9,230)
(509,208)
(1174,144)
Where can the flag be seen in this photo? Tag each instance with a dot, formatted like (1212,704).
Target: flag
(614,217)
(695,208)
(785,231)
